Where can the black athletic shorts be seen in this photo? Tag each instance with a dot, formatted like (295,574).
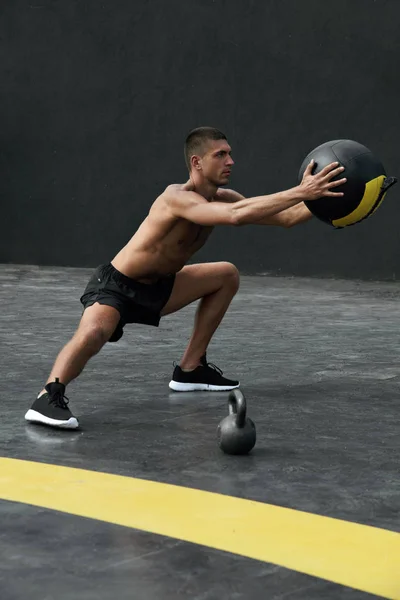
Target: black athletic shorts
(135,301)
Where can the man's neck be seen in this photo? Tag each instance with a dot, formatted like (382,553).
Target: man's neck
(204,188)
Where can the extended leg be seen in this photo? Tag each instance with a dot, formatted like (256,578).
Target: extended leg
(95,329)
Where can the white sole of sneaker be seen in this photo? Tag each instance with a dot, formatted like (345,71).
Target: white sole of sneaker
(34,417)
(177,386)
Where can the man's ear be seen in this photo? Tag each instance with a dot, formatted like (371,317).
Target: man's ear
(195,162)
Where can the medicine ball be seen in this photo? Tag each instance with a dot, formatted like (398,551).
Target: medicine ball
(363,191)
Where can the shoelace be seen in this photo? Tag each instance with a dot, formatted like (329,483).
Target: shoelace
(212,366)
(58,399)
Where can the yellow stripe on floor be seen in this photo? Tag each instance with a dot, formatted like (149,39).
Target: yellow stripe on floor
(358,556)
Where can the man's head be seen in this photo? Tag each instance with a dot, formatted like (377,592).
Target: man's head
(208,154)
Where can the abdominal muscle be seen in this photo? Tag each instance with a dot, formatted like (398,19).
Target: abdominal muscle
(161,246)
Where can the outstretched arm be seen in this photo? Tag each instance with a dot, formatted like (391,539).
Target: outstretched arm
(286,218)
(289,217)
(247,211)
(193,207)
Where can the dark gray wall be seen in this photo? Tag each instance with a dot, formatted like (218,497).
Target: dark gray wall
(97,97)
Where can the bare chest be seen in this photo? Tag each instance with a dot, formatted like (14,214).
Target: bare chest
(189,236)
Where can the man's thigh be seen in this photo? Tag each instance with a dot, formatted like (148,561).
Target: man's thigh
(196,281)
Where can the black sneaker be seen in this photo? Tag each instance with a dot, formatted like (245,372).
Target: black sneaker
(206,377)
(51,408)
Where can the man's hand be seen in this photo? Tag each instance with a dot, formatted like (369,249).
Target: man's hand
(319,185)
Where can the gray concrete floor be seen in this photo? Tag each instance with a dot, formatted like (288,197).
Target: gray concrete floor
(318,362)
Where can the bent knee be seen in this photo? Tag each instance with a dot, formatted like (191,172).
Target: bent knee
(94,335)
(231,275)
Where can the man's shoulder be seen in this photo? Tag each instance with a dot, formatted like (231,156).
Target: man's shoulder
(170,196)
(175,187)
(175,190)
(167,194)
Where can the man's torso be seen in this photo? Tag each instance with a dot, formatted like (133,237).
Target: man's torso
(162,245)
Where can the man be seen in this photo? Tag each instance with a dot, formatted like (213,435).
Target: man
(149,278)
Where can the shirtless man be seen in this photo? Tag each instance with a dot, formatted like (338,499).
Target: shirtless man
(149,277)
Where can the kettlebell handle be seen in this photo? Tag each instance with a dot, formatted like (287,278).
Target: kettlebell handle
(237,407)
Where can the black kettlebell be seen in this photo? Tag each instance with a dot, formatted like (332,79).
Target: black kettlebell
(236,434)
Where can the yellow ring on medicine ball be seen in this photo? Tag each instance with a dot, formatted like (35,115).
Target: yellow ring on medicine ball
(364,190)
(368,205)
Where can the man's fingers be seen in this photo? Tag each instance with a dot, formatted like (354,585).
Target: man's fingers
(328,168)
(323,179)
(338,182)
(309,168)
(333,173)
(334,194)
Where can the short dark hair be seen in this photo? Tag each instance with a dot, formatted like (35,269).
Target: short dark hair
(195,141)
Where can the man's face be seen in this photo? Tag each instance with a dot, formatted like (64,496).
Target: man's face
(216,163)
